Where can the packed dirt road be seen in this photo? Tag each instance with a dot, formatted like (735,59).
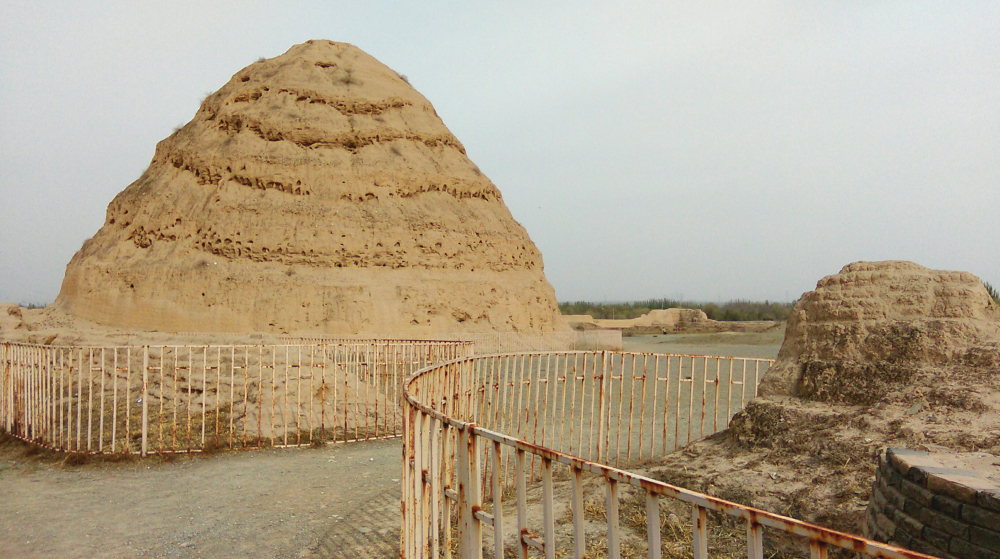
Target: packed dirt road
(337,501)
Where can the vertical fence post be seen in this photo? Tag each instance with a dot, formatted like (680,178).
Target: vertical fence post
(817,550)
(497,501)
(579,535)
(470,495)
(145,400)
(437,496)
(522,505)
(407,504)
(548,518)
(9,392)
(424,469)
(463,491)
(699,526)
(447,468)
(653,525)
(605,373)
(755,540)
(614,521)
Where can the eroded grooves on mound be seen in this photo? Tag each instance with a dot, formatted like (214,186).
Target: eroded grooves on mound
(316,191)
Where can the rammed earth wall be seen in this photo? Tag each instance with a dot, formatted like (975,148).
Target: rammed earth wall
(919,504)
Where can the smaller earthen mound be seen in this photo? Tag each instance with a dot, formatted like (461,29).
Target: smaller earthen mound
(666,318)
(861,328)
(882,354)
(659,317)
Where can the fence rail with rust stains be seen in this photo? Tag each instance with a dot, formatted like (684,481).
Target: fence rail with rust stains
(149,399)
(478,429)
(486,343)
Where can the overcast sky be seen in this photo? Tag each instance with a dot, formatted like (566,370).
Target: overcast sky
(705,150)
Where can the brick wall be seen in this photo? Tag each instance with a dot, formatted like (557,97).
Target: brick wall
(920,505)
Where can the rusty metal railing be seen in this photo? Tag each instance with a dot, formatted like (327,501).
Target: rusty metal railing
(475,426)
(486,343)
(153,399)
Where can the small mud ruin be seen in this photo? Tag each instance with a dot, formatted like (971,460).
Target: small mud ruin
(881,354)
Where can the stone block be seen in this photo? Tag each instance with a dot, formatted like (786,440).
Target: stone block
(885,468)
(921,546)
(962,488)
(985,538)
(981,517)
(916,493)
(878,500)
(902,539)
(890,511)
(901,458)
(913,508)
(947,505)
(944,523)
(894,497)
(907,523)
(896,479)
(989,499)
(936,537)
(967,550)
(885,525)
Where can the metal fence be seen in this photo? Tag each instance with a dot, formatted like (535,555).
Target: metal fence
(151,399)
(512,342)
(486,343)
(475,429)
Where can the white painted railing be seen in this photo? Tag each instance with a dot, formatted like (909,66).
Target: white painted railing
(475,427)
(148,399)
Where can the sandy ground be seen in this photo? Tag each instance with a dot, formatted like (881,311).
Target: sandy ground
(759,345)
(339,501)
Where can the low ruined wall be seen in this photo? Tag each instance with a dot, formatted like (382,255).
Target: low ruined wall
(924,502)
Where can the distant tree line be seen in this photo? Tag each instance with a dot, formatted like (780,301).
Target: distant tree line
(731,310)
(992,291)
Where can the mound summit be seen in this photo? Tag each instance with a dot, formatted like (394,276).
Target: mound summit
(316,192)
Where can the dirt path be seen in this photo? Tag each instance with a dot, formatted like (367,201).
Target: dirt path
(339,501)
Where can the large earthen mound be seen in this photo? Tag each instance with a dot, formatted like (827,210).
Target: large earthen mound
(894,314)
(881,354)
(316,192)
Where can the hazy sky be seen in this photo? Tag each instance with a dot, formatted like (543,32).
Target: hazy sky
(710,150)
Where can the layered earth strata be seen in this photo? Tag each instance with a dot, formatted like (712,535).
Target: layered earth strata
(316,192)
(889,314)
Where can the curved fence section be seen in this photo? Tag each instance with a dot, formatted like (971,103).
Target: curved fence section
(478,431)
(151,399)
(486,343)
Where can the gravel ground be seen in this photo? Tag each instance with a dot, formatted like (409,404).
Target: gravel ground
(338,501)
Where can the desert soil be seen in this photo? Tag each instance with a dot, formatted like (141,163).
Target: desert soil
(338,501)
(752,344)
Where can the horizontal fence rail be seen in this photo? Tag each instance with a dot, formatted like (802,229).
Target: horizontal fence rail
(486,343)
(156,399)
(478,430)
